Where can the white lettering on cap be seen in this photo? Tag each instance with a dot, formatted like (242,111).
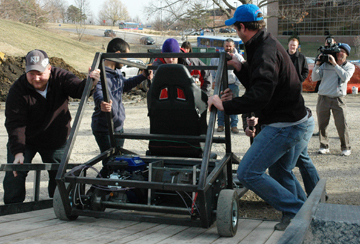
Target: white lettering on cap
(34,59)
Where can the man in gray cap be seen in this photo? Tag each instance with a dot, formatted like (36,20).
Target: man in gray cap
(334,76)
(38,119)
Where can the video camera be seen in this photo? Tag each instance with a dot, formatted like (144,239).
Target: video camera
(330,49)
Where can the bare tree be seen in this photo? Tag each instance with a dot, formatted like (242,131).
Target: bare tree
(83,6)
(114,11)
(32,12)
(181,17)
(9,9)
(136,19)
(188,12)
(57,10)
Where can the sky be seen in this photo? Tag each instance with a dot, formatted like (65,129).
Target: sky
(134,7)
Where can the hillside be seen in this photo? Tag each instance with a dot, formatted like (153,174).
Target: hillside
(17,39)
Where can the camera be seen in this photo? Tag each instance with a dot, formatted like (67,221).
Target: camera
(330,49)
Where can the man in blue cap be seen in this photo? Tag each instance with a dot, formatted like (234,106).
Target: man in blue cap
(273,93)
(334,75)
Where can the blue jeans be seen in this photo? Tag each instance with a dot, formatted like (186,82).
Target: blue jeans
(272,146)
(14,187)
(307,169)
(103,141)
(303,161)
(234,117)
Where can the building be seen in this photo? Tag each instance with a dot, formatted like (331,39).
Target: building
(319,18)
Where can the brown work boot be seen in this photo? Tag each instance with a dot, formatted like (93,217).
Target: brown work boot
(235,130)
(220,128)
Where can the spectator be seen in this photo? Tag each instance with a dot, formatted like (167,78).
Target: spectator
(187,47)
(334,76)
(117,85)
(196,74)
(38,119)
(171,45)
(233,83)
(298,59)
(273,93)
(307,168)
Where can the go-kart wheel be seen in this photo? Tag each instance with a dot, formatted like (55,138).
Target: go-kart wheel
(227,213)
(59,207)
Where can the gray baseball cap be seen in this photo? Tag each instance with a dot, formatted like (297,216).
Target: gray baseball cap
(36,60)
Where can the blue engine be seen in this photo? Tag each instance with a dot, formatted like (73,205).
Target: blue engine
(129,163)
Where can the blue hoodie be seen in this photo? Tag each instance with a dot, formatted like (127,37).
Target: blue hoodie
(117,85)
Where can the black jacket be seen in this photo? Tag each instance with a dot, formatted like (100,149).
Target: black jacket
(273,89)
(43,123)
(300,63)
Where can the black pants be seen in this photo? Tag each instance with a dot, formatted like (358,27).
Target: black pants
(14,187)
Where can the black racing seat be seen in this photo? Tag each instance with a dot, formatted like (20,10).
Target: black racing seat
(176,106)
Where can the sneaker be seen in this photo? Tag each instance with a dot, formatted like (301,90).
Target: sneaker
(345,152)
(316,134)
(235,130)
(220,128)
(285,221)
(324,150)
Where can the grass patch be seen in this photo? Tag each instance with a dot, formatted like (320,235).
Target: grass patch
(18,39)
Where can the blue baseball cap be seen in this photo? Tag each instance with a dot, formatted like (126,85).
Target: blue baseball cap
(171,45)
(346,47)
(245,13)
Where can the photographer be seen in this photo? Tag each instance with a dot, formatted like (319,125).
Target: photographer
(334,76)
(329,42)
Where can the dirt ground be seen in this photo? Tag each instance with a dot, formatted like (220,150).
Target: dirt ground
(342,173)
(12,68)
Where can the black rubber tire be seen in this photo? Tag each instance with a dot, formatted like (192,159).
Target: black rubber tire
(227,213)
(59,209)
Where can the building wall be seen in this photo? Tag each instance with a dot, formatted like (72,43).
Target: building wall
(272,22)
(339,18)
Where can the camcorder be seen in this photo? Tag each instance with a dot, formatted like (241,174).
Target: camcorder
(330,49)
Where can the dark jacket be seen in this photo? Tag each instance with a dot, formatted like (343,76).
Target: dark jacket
(300,63)
(43,123)
(273,89)
(117,85)
(205,75)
